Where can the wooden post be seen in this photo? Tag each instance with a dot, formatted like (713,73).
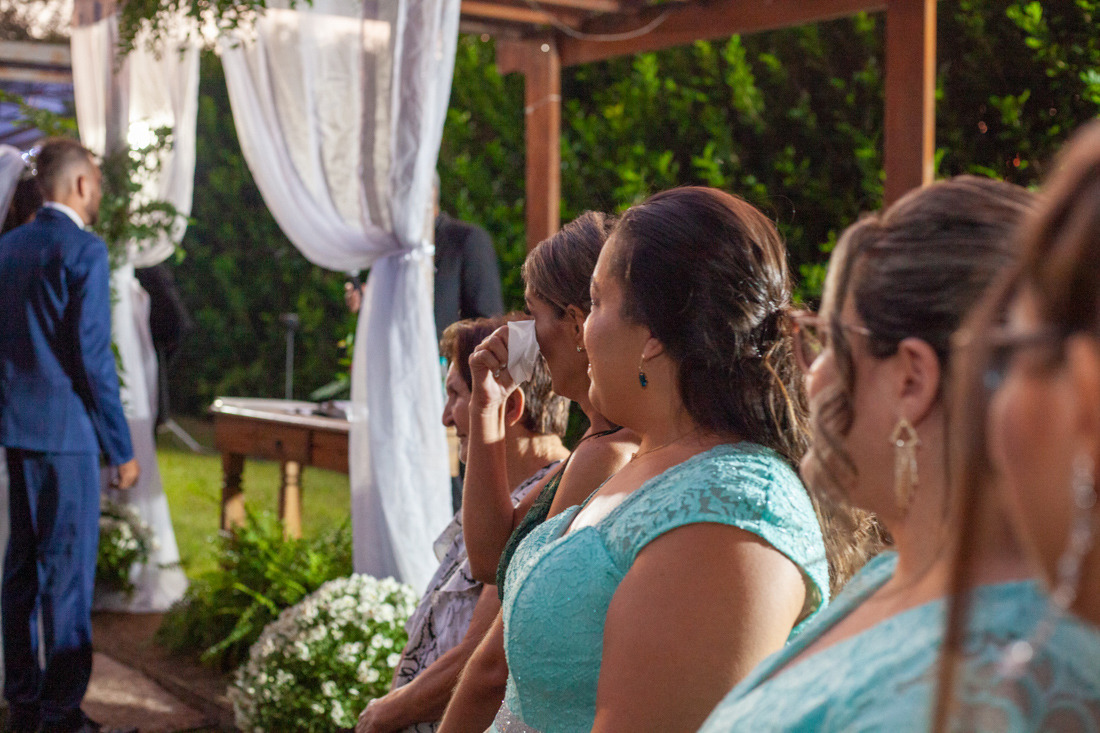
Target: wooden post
(910,96)
(290,500)
(540,64)
(232,494)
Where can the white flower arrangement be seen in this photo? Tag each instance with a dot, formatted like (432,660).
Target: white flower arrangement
(125,540)
(320,662)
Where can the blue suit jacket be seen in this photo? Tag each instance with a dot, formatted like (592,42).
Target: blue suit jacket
(58,384)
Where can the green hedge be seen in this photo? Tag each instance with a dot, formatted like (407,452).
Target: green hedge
(791,120)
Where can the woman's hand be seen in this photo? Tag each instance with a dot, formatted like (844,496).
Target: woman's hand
(372,719)
(489,372)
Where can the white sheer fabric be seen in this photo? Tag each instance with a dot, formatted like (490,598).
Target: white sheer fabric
(11,170)
(117,106)
(339,109)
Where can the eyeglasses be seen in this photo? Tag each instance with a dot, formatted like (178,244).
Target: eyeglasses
(1004,344)
(811,336)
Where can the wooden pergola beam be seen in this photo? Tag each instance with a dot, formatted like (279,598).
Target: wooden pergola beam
(537,59)
(687,23)
(30,75)
(35,62)
(910,124)
(592,6)
(509,13)
(35,53)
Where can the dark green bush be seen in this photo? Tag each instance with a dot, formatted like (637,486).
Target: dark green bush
(259,574)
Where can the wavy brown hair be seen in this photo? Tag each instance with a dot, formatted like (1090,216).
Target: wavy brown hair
(912,270)
(560,267)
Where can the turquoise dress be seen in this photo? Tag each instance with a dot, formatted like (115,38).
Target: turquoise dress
(560,583)
(884,679)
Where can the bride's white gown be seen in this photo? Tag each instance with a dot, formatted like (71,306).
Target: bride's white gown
(160,582)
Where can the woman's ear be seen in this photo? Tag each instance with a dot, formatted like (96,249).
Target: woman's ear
(918,378)
(576,318)
(513,407)
(652,348)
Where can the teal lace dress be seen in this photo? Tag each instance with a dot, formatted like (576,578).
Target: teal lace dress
(560,583)
(884,679)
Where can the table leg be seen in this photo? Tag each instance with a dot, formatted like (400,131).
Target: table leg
(290,499)
(232,493)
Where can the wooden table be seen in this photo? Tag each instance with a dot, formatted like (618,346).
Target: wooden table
(284,431)
(279,430)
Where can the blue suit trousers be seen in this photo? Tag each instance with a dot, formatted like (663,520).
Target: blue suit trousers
(49,568)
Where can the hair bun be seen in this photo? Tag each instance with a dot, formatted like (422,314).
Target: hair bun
(774,326)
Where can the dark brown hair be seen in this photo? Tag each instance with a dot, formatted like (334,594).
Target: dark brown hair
(1059,249)
(544,411)
(706,272)
(559,268)
(25,201)
(55,158)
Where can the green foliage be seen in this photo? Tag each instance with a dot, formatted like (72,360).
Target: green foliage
(481,162)
(792,120)
(48,123)
(125,540)
(259,574)
(161,17)
(122,220)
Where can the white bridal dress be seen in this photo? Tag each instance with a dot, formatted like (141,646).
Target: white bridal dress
(160,582)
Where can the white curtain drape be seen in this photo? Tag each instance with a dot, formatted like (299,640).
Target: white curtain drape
(116,106)
(339,108)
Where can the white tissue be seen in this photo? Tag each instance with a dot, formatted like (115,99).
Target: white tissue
(523,350)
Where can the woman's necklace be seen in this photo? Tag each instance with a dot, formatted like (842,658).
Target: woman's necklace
(639,454)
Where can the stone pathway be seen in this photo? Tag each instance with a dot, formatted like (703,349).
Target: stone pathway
(119,697)
(136,681)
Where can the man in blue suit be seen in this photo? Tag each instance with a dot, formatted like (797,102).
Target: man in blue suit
(59,410)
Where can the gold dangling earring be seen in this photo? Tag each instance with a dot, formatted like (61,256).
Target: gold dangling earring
(906,441)
(642,378)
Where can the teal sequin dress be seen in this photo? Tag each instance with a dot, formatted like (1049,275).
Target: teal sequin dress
(884,679)
(560,583)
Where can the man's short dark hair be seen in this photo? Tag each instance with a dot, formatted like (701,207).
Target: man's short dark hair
(57,157)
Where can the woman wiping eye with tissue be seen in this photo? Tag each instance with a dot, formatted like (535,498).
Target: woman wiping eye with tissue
(523,350)
(557,274)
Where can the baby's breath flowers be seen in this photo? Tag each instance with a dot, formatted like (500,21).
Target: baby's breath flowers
(125,540)
(317,665)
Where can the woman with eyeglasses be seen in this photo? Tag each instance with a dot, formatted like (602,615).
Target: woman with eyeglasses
(879,369)
(1032,417)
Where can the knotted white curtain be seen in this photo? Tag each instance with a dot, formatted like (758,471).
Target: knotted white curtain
(339,108)
(121,105)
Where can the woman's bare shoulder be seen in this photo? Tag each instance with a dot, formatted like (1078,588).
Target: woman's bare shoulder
(594,461)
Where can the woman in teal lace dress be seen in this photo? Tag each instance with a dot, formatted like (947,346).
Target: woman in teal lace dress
(1033,417)
(879,366)
(639,609)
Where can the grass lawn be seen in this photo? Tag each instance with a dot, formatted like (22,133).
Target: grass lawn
(192,483)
